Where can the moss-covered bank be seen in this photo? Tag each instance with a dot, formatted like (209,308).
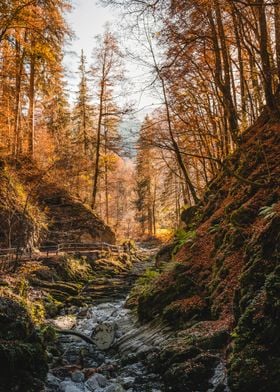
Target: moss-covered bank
(221,293)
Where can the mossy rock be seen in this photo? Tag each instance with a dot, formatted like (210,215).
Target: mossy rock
(168,287)
(191,375)
(65,287)
(243,216)
(52,306)
(22,352)
(79,300)
(191,215)
(15,322)
(176,353)
(59,295)
(180,311)
(254,369)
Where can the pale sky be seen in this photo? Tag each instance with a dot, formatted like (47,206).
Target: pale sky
(87,20)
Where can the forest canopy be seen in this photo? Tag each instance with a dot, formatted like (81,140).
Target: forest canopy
(214,65)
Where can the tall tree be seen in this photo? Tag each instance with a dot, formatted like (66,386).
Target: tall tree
(83,110)
(107,72)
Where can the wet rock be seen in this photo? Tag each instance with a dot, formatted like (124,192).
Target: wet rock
(104,335)
(52,381)
(114,388)
(128,382)
(78,376)
(96,381)
(70,386)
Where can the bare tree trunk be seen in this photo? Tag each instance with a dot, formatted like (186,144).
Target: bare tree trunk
(98,140)
(266,66)
(236,24)
(154,209)
(31,107)
(176,146)
(106,176)
(224,85)
(17,137)
(277,36)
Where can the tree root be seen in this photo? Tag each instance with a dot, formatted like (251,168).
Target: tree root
(86,338)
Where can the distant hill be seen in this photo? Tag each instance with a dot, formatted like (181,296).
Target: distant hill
(129,131)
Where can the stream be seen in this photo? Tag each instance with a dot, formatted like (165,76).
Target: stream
(120,358)
(117,362)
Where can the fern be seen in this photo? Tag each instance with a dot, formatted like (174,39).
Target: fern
(268,212)
(213,229)
(183,237)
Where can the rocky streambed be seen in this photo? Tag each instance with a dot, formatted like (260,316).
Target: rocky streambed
(119,358)
(123,355)
(123,366)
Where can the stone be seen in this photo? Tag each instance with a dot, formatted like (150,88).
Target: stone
(128,382)
(78,376)
(96,381)
(114,388)
(69,386)
(52,380)
(104,335)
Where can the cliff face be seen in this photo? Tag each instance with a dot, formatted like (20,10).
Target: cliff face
(34,210)
(222,292)
(70,221)
(22,223)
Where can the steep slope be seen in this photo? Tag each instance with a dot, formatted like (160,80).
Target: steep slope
(34,210)
(69,220)
(222,292)
(22,223)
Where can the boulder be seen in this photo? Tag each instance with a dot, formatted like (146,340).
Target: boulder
(104,335)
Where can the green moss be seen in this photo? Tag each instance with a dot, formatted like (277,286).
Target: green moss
(178,312)
(22,352)
(243,216)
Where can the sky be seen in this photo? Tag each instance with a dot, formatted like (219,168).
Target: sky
(87,20)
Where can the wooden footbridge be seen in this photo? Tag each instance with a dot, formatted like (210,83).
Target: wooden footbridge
(10,256)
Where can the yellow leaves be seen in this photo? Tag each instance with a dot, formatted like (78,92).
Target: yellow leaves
(110,160)
(44,51)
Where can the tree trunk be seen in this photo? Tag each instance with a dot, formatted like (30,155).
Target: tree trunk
(223,84)
(277,36)
(98,140)
(176,146)
(17,144)
(31,107)
(266,66)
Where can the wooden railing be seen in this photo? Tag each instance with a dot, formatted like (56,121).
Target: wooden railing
(9,256)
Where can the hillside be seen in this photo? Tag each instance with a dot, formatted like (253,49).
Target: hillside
(35,211)
(221,291)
